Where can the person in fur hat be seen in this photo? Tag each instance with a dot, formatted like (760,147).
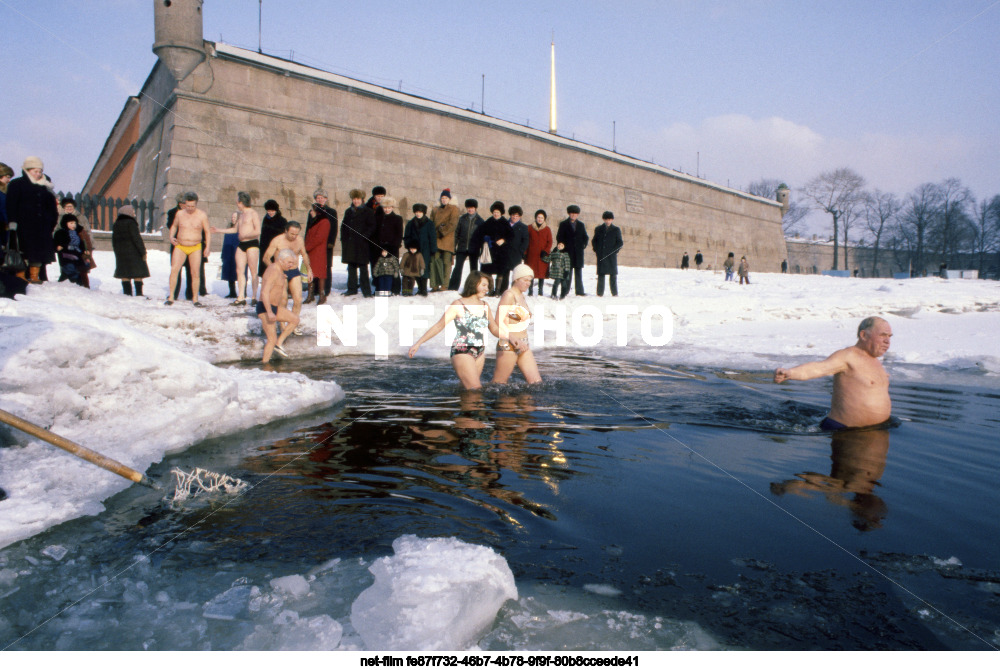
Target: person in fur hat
(573,234)
(412,265)
(607,243)
(421,235)
(71,251)
(130,251)
(68,205)
(389,240)
(356,229)
(32,211)
(465,233)
(445,218)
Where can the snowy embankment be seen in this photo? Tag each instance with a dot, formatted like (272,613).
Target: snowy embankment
(135,379)
(127,377)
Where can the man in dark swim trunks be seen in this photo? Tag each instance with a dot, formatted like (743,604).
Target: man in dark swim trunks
(247,228)
(860,383)
(271,308)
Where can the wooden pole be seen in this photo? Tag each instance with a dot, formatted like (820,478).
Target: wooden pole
(77,450)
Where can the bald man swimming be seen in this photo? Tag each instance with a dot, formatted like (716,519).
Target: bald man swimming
(860,383)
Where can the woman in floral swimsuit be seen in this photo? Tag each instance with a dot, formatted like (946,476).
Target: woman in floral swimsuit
(472,317)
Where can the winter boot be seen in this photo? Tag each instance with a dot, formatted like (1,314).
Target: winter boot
(33,274)
(321,291)
(138,287)
(126,287)
(422,286)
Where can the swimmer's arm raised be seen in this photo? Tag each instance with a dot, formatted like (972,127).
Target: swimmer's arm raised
(450,313)
(835,364)
(231,229)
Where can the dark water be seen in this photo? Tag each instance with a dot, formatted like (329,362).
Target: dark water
(706,497)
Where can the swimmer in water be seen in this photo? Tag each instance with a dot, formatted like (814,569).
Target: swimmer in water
(860,383)
(472,316)
(512,318)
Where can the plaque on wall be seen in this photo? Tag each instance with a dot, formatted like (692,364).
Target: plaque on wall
(633,201)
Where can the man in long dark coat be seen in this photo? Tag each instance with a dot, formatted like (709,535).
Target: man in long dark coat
(357,229)
(465,232)
(607,243)
(573,234)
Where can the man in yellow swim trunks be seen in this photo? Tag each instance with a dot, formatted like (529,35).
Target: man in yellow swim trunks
(189,224)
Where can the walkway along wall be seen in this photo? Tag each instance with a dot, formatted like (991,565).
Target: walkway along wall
(276,129)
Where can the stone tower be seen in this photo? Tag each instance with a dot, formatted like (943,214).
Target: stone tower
(179,41)
(783,193)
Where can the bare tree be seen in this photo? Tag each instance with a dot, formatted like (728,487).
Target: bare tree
(881,210)
(837,193)
(986,239)
(952,229)
(920,210)
(768,188)
(764,188)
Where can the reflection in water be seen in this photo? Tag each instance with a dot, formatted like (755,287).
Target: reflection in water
(439,453)
(858,461)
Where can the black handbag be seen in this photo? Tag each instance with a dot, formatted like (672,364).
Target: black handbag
(13,261)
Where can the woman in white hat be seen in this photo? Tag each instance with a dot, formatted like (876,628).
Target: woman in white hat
(512,319)
(31,204)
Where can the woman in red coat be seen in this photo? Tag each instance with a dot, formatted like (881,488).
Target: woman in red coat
(317,236)
(539,242)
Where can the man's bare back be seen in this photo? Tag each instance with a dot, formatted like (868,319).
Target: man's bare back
(860,383)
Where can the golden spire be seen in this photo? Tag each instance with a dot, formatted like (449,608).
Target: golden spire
(552,88)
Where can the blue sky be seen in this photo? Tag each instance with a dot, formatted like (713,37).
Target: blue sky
(902,92)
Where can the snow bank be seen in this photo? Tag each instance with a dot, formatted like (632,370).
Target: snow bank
(434,594)
(126,377)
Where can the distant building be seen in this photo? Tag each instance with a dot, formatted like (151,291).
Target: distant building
(814,255)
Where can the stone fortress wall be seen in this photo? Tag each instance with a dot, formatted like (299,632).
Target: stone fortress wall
(243,121)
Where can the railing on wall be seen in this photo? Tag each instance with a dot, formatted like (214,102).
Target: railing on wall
(101,212)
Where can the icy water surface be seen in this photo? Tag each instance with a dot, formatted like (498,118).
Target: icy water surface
(638,506)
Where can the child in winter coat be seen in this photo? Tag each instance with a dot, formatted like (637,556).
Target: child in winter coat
(560,270)
(413,268)
(386,270)
(74,256)
(744,270)
(728,266)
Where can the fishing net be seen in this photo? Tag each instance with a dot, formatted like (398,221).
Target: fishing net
(198,481)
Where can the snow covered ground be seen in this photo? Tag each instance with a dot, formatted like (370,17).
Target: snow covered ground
(136,379)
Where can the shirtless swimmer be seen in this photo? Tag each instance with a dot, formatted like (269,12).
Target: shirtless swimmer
(860,383)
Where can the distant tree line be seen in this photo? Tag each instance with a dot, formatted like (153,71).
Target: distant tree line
(941,221)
